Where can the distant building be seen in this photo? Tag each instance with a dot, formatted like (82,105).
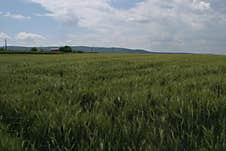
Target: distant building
(55,50)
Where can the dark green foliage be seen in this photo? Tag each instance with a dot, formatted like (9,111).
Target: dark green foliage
(34,49)
(112,102)
(78,51)
(65,49)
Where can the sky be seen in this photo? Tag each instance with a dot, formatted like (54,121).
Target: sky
(156,25)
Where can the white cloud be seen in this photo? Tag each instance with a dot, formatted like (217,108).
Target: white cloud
(100,13)
(4,36)
(29,36)
(150,24)
(201,5)
(45,15)
(15,16)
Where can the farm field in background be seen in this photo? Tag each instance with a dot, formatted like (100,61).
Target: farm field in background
(112,102)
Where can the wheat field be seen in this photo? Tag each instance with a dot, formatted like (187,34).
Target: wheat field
(112,102)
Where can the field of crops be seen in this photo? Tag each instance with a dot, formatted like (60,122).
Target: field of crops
(112,102)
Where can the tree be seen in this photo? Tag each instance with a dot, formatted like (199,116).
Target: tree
(34,49)
(65,49)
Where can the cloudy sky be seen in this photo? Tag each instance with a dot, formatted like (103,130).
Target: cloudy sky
(158,25)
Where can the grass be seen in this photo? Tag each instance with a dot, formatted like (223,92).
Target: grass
(7,142)
(113,102)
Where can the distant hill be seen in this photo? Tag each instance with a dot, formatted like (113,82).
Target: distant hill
(98,50)
(108,50)
(86,49)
